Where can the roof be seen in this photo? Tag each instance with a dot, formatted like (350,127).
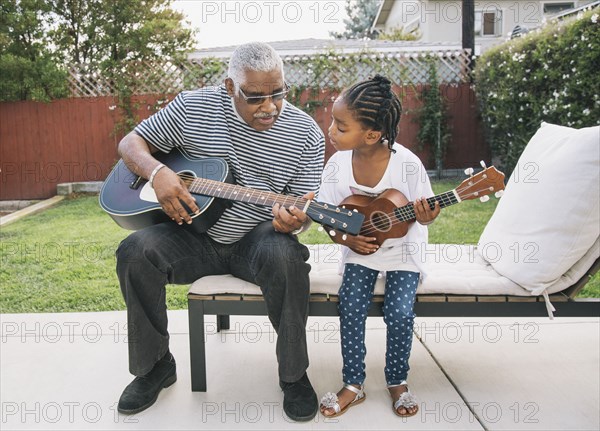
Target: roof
(386,7)
(383,13)
(568,12)
(313,46)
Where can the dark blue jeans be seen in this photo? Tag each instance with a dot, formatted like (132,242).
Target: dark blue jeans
(163,254)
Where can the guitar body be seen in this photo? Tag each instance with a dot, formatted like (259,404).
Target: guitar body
(380,221)
(132,203)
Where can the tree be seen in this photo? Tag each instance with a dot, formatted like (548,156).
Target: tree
(432,118)
(104,33)
(41,38)
(361,14)
(27,65)
(398,34)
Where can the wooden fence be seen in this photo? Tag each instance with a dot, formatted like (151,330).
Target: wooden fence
(44,144)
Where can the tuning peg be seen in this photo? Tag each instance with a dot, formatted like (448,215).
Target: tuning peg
(484,198)
(482,163)
(469,171)
(332,232)
(320,229)
(499,193)
(344,237)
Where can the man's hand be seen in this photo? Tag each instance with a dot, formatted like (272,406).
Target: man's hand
(424,213)
(287,220)
(171,191)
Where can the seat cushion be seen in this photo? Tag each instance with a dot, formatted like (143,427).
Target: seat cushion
(452,269)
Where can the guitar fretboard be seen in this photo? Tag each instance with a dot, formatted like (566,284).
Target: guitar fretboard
(242,194)
(407,212)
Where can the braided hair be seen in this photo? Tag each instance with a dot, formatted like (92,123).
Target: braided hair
(376,106)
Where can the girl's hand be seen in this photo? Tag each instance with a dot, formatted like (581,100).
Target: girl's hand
(424,213)
(358,243)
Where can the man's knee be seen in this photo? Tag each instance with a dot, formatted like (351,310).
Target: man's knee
(130,249)
(279,249)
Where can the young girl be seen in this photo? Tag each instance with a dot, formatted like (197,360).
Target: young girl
(367,162)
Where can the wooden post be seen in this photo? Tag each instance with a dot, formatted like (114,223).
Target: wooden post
(468,31)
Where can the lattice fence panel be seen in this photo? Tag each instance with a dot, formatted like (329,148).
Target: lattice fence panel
(322,70)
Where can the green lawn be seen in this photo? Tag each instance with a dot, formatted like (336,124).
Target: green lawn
(63,258)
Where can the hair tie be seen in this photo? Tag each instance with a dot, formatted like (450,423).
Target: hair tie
(383,83)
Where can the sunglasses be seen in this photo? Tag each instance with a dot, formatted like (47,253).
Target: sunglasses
(258,100)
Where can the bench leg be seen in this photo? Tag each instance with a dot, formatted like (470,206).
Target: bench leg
(222,322)
(197,345)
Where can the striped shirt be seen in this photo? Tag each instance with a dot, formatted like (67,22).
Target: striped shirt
(286,159)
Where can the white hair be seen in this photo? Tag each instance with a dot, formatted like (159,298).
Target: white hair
(255,56)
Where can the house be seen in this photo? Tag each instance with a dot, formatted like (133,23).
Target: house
(401,61)
(311,47)
(495,21)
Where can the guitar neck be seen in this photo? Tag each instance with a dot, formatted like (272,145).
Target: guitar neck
(329,215)
(407,212)
(234,192)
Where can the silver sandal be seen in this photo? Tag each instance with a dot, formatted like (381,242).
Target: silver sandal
(330,401)
(406,400)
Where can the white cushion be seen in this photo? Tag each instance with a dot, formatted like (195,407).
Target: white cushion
(452,269)
(549,216)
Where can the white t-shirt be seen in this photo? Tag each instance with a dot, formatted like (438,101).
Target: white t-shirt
(405,172)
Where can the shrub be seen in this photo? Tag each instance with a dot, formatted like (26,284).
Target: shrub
(547,75)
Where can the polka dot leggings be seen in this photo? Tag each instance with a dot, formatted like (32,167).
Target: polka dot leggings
(355,297)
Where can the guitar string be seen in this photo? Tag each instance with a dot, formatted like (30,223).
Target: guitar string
(229,190)
(406,211)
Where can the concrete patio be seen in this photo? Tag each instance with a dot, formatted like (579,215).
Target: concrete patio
(66,371)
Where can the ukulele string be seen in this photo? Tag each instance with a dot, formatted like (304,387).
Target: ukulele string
(407,212)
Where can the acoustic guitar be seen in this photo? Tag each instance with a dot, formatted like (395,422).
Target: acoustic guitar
(390,214)
(132,203)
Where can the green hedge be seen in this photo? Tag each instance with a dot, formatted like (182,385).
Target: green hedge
(550,74)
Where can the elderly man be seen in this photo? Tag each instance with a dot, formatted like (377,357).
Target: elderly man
(269,145)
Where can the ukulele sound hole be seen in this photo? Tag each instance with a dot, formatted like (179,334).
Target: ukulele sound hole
(381,221)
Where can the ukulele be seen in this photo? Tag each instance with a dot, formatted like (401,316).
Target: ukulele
(390,214)
(132,203)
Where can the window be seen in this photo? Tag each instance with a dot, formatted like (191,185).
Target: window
(552,8)
(488,22)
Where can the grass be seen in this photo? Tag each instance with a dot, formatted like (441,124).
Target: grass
(63,258)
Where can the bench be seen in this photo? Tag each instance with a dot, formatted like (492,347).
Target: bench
(459,283)
(545,232)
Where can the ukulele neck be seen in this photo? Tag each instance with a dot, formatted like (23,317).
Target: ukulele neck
(407,212)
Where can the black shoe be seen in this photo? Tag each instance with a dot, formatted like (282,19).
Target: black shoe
(143,391)
(299,399)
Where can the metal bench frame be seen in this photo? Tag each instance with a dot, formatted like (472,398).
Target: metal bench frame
(225,305)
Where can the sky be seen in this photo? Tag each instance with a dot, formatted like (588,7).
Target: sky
(231,22)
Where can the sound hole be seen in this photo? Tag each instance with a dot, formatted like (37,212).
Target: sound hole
(381,221)
(187,177)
